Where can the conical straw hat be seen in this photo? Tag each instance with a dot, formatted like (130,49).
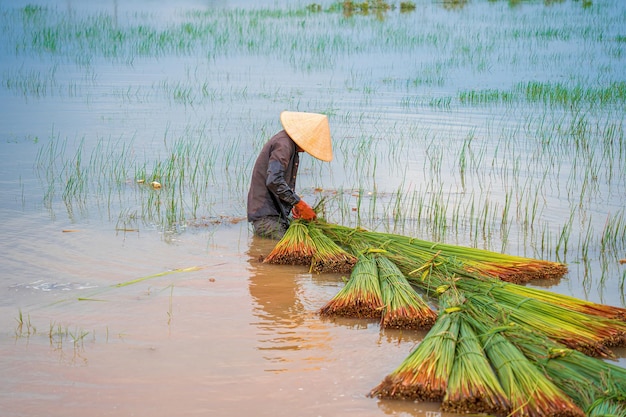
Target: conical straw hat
(310,131)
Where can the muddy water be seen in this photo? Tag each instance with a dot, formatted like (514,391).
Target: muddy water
(237,337)
(106,310)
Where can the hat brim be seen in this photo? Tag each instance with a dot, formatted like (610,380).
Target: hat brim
(310,131)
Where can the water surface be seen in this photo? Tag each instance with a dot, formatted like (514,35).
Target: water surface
(100,98)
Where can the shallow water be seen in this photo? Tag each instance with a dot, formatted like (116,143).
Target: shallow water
(207,328)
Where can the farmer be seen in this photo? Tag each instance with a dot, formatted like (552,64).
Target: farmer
(272,195)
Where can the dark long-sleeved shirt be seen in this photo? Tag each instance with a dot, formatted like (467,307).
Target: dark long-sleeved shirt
(272,188)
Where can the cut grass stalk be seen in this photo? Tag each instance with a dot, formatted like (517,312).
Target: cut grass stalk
(160,274)
(530,392)
(423,375)
(473,386)
(591,335)
(295,248)
(571,303)
(328,256)
(361,296)
(588,381)
(403,308)
(575,323)
(607,407)
(492,264)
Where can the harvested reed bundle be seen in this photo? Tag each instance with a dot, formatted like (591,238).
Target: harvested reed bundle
(607,407)
(586,380)
(344,235)
(492,264)
(473,386)
(562,318)
(361,296)
(583,325)
(423,375)
(591,335)
(516,270)
(328,256)
(530,392)
(403,308)
(295,248)
(571,303)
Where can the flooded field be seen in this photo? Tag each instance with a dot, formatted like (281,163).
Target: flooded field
(489,124)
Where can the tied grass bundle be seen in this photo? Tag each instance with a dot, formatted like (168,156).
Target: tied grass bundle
(571,303)
(454,258)
(473,386)
(592,335)
(361,296)
(515,269)
(423,375)
(608,407)
(295,248)
(530,392)
(588,381)
(328,256)
(586,326)
(403,308)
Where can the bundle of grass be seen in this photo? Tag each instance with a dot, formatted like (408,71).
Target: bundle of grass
(361,296)
(473,386)
(505,267)
(571,303)
(588,381)
(403,307)
(295,248)
(515,269)
(328,256)
(592,335)
(424,374)
(529,391)
(578,324)
(608,407)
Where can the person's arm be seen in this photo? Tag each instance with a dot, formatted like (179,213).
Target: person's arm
(277,185)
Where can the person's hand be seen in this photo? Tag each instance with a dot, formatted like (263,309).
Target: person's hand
(303,211)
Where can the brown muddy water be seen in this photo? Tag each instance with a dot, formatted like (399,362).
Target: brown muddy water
(491,124)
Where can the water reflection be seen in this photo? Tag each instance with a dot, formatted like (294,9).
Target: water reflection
(290,336)
(410,408)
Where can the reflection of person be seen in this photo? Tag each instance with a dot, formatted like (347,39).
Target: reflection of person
(272,197)
(274,288)
(280,315)
(289,335)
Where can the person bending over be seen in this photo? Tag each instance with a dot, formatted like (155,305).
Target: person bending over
(272,197)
